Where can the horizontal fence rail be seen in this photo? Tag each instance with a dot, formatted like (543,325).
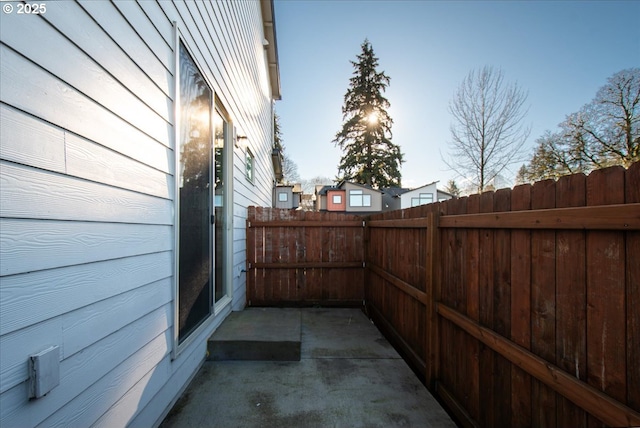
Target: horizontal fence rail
(607,217)
(517,307)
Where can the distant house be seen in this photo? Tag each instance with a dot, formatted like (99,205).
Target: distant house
(426,194)
(321,197)
(134,136)
(287,196)
(349,197)
(336,200)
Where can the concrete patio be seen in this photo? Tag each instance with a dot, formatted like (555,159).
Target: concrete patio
(348,376)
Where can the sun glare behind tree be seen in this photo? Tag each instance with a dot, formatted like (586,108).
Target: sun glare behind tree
(369,156)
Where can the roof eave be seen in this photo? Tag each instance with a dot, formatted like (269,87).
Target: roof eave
(269,27)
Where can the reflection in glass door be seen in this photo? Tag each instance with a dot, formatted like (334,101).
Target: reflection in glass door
(194,198)
(221,129)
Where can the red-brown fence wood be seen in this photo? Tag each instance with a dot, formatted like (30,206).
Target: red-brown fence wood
(518,308)
(304,258)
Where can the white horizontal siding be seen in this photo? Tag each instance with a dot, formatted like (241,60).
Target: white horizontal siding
(76,330)
(72,20)
(33,90)
(140,345)
(112,22)
(60,57)
(145,29)
(38,194)
(31,141)
(28,140)
(37,296)
(32,245)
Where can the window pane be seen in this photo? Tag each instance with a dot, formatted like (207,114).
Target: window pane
(426,198)
(249,165)
(355,198)
(366,200)
(194,183)
(282,197)
(337,199)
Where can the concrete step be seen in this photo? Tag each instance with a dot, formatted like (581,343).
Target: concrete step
(260,334)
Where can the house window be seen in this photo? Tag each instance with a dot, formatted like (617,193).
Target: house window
(283,197)
(357,198)
(422,199)
(249,161)
(337,199)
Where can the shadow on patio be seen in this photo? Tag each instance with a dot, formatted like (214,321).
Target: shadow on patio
(348,375)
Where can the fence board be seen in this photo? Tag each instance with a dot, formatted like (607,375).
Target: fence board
(472,264)
(632,195)
(543,304)
(521,309)
(606,333)
(501,316)
(485,294)
(571,298)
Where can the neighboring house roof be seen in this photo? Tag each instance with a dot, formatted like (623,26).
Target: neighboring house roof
(271,46)
(394,192)
(324,189)
(364,186)
(425,185)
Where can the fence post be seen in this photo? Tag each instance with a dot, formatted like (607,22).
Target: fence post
(250,245)
(432,369)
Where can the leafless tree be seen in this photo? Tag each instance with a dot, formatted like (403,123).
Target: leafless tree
(289,170)
(488,129)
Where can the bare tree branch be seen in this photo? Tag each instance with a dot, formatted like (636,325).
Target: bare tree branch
(487,130)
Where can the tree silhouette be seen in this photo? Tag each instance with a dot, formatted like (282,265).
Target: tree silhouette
(365,138)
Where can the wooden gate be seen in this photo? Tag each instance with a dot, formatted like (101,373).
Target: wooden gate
(304,258)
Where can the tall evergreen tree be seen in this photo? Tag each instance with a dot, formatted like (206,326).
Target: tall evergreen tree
(452,188)
(369,157)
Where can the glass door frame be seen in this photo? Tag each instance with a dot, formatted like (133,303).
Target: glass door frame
(227,226)
(216,308)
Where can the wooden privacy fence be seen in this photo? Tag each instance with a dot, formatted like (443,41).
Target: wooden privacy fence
(519,307)
(304,258)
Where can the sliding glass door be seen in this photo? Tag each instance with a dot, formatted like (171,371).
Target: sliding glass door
(195,189)
(202,199)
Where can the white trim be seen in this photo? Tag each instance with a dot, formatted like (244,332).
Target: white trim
(227,263)
(176,198)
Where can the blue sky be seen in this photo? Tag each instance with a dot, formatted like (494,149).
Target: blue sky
(560,52)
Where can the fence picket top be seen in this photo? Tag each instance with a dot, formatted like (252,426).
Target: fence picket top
(632,183)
